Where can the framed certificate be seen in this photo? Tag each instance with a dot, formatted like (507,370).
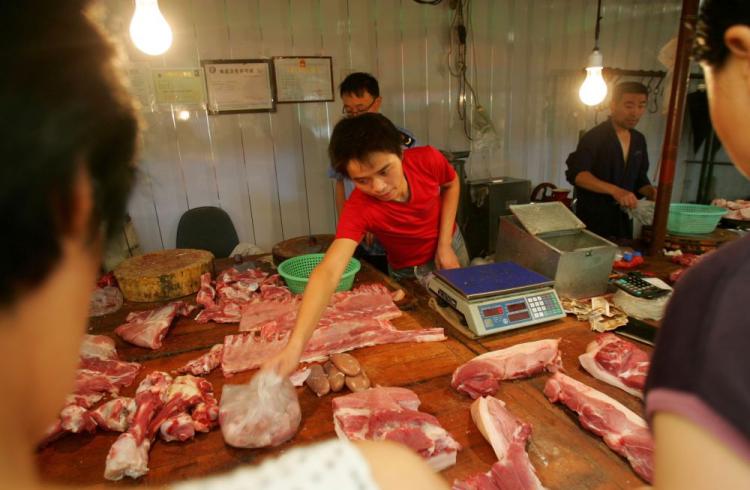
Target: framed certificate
(236,86)
(178,86)
(303,78)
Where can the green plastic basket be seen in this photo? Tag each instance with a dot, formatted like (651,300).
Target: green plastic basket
(693,219)
(296,271)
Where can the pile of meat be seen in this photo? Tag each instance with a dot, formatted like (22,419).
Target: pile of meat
(224,299)
(100,374)
(507,435)
(617,362)
(482,375)
(390,413)
(353,319)
(738,210)
(174,409)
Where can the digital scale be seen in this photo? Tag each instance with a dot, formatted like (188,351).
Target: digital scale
(496,297)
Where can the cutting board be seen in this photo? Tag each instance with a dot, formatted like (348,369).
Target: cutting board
(163,275)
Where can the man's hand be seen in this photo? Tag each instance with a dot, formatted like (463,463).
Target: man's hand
(285,362)
(445,258)
(625,198)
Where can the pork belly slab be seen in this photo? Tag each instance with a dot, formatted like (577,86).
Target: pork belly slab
(250,350)
(482,375)
(623,431)
(391,413)
(507,435)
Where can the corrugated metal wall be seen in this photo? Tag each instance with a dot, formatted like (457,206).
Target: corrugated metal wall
(269,170)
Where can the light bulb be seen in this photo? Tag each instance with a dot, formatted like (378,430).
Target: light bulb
(149,29)
(593,90)
(183,115)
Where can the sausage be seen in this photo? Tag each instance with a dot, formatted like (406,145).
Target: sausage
(335,377)
(346,363)
(318,381)
(358,383)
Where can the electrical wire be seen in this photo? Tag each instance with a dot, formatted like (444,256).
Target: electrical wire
(457,66)
(428,2)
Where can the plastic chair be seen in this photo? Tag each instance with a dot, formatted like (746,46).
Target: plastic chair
(207,228)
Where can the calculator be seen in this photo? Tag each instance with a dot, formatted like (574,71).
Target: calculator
(635,285)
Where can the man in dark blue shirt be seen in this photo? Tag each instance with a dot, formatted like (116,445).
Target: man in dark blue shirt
(609,168)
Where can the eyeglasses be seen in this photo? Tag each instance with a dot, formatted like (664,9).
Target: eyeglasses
(357,110)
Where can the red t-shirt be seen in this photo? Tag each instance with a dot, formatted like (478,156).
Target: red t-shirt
(407,230)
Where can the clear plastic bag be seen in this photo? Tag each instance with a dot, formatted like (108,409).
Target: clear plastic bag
(263,413)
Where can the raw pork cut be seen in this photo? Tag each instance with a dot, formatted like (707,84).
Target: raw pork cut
(617,362)
(250,350)
(482,375)
(390,413)
(205,363)
(100,375)
(206,293)
(507,435)
(148,328)
(622,430)
(105,300)
(222,312)
(97,347)
(179,427)
(128,456)
(116,414)
(256,313)
(224,299)
(365,301)
(263,413)
(76,419)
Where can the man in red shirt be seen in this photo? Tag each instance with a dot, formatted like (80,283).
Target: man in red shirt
(406,198)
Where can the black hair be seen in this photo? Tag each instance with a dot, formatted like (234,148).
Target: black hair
(716,16)
(623,88)
(356,138)
(358,83)
(65,110)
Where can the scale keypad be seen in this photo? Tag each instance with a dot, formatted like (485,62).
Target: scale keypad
(518,311)
(543,304)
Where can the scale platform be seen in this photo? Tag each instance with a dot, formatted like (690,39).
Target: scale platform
(496,297)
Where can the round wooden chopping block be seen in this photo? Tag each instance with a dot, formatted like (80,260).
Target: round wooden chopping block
(308,244)
(164,275)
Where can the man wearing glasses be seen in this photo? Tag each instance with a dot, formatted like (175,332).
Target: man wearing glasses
(360,93)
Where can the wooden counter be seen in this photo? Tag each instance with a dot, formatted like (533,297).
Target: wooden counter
(564,454)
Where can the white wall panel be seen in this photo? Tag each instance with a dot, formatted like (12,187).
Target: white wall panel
(268,170)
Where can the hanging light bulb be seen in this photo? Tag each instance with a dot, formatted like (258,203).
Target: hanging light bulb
(594,89)
(149,29)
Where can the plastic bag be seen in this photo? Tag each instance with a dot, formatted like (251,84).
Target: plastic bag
(263,413)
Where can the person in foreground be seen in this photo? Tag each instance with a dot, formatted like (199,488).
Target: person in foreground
(68,143)
(407,199)
(698,386)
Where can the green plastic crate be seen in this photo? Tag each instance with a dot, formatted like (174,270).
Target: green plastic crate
(693,219)
(296,272)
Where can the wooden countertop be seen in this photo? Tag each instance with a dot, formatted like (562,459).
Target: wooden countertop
(564,454)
